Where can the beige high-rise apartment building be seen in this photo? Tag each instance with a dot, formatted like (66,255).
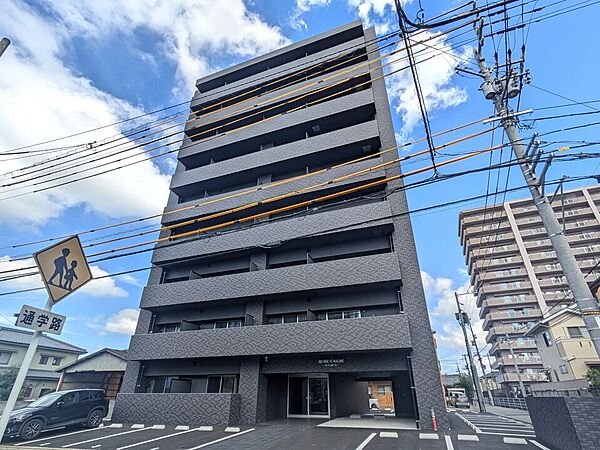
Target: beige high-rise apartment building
(517,277)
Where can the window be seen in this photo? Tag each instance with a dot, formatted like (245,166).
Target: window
(580,224)
(353,314)
(563,368)
(381,390)
(56,361)
(5,357)
(168,328)
(578,332)
(226,384)
(228,324)
(584,236)
(572,212)
(547,338)
(289,318)
(69,399)
(537,230)
(553,266)
(44,360)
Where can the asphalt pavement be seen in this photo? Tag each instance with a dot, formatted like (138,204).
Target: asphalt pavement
(469,431)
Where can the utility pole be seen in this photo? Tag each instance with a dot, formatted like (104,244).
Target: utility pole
(4,43)
(487,384)
(462,320)
(499,91)
(512,353)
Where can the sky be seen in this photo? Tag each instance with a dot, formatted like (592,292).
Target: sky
(75,66)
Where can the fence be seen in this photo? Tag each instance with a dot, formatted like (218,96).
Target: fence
(514,403)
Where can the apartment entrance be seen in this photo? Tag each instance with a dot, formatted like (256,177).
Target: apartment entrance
(308,396)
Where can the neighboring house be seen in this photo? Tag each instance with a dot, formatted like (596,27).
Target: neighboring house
(103,369)
(564,345)
(51,354)
(382,392)
(450,379)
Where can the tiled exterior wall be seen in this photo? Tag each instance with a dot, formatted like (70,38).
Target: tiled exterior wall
(566,423)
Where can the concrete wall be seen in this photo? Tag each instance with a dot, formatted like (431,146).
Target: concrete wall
(566,423)
(18,353)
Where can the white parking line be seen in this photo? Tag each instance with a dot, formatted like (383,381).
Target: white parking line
(60,435)
(428,436)
(222,439)
(537,444)
(449,444)
(106,437)
(158,438)
(468,437)
(364,443)
(518,441)
(388,434)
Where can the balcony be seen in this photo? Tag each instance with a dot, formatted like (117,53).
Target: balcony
(500,238)
(500,331)
(537,257)
(504,301)
(507,361)
(306,115)
(215,203)
(524,344)
(482,253)
(293,95)
(488,228)
(497,263)
(557,282)
(359,271)
(281,230)
(323,336)
(295,155)
(507,315)
(498,275)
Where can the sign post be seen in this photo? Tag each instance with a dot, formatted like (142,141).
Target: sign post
(63,269)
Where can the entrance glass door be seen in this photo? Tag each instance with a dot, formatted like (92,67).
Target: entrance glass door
(308,396)
(319,397)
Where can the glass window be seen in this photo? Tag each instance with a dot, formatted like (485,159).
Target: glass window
(563,369)
(5,357)
(214,385)
(547,338)
(334,315)
(234,324)
(220,324)
(69,399)
(274,320)
(351,314)
(290,319)
(57,360)
(84,396)
(44,359)
(578,332)
(381,390)
(228,385)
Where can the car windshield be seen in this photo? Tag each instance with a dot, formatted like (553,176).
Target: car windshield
(46,400)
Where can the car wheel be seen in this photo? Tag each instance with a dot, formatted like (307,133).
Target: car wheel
(31,429)
(94,418)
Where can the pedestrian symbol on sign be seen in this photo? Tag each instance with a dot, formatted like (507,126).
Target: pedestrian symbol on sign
(63,267)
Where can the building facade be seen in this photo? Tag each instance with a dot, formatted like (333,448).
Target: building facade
(290,311)
(517,277)
(564,344)
(51,355)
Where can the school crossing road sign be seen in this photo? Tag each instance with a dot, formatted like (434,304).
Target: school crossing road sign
(40,320)
(63,268)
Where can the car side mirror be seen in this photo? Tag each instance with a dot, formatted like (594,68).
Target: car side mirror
(59,403)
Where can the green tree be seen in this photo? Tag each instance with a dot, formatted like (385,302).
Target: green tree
(593,377)
(465,382)
(7,381)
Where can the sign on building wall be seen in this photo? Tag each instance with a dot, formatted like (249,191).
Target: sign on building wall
(63,268)
(40,320)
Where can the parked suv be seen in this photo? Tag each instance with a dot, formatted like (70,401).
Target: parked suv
(58,409)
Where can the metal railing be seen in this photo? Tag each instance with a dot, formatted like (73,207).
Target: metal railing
(514,403)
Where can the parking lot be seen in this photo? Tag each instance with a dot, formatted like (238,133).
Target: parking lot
(295,434)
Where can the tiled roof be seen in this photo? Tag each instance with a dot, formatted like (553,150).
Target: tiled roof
(40,374)
(113,351)
(23,337)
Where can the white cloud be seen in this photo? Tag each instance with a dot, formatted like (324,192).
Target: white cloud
(380,14)
(440,295)
(123,322)
(103,287)
(436,61)
(302,7)
(44,99)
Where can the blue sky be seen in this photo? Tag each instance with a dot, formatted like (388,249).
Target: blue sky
(74,66)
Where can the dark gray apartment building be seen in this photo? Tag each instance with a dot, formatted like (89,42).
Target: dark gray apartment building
(294,312)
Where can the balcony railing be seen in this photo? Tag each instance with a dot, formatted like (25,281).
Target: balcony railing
(322,336)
